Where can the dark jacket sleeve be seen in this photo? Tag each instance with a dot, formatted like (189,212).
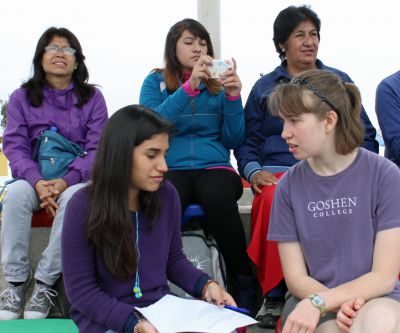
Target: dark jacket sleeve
(248,152)
(387,108)
(370,141)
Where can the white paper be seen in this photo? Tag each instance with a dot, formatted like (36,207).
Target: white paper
(173,314)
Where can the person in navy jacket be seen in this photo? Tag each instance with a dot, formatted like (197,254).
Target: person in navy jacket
(264,155)
(387,108)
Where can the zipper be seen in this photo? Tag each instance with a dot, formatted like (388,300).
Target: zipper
(77,151)
(47,138)
(193,106)
(193,128)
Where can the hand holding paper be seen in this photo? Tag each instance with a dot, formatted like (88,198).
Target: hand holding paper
(174,314)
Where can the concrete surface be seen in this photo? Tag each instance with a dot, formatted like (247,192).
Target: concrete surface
(39,239)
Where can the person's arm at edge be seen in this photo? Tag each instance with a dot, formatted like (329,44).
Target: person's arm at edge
(370,141)
(247,154)
(387,108)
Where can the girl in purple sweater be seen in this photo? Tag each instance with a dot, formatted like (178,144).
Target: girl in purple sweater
(121,237)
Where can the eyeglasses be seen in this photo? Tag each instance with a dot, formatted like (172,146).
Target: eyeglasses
(69,51)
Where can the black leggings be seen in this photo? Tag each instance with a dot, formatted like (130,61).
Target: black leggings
(217,191)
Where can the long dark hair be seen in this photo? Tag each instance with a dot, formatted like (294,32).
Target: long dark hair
(110,228)
(34,86)
(173,69)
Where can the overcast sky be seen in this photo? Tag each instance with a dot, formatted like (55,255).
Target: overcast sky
(124,40)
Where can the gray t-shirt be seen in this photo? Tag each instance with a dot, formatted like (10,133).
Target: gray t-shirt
(335,218)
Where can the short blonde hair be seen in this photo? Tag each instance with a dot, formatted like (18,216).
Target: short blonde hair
(328,93)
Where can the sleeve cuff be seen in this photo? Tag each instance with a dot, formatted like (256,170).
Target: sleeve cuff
(251,169)
(32,176)
(187,88)
(232,98)
(72,177)
(130,323)
(199,286)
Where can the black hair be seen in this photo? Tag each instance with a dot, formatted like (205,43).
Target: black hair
(287,20)
(110,228)
(34,86)
(173,69)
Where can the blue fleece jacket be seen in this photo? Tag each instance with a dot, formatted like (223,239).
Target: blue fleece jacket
(264,145)
(387,108)
(206,126)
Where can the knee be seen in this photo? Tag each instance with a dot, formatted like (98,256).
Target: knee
(19,193)
(381,317)
(68,193)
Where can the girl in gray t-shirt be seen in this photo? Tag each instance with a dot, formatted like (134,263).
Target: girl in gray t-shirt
(336,214)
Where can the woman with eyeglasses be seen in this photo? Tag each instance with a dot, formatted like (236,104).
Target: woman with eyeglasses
(208,117)
(57,95)
(335,214)
(264,156)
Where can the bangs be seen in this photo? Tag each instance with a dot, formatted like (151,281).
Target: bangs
(198,31)
(287,100)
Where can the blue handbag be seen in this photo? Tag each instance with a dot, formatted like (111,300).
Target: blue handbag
(55,153)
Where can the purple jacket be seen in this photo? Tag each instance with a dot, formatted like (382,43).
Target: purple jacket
(80,125)
(99,301)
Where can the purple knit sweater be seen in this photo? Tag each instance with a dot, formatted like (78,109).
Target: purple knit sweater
(99,301)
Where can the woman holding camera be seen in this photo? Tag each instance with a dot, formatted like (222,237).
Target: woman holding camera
(209,121)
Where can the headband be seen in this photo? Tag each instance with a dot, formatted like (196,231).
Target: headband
(316,92)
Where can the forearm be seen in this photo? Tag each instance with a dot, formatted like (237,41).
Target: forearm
(233,129)
(168,106)
(368,286)
(302,286)
(378,282)
(382,277)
